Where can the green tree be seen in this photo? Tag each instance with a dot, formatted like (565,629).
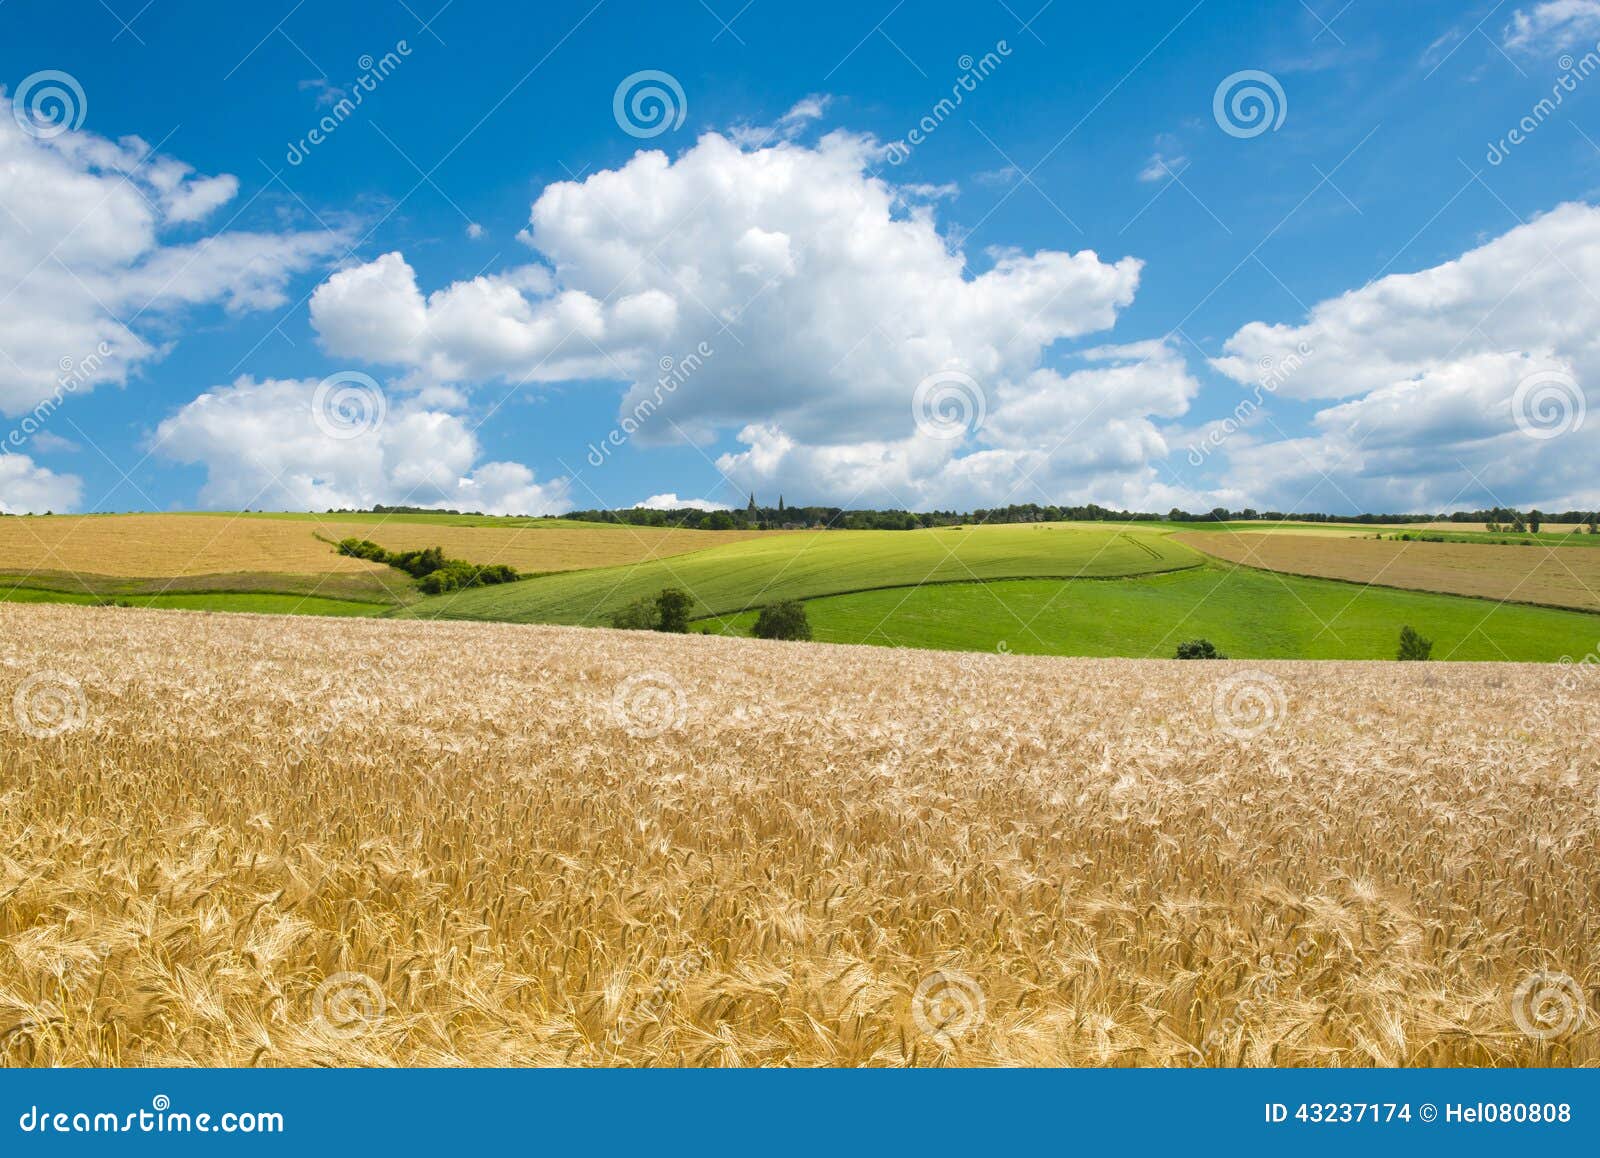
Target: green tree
(640,615)
(786,620)
(1199,649)
(672,610)
(1413,645)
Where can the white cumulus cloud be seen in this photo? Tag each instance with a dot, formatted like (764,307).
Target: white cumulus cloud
(28,488)
(263,446)
(825,294)
(1472,382)
(671,502)
(97,252)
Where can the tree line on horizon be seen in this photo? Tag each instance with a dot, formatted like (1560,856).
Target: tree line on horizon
(784,517)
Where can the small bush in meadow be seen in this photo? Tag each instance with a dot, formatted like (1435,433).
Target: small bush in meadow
(786,620)
(640,615)
(1414,646)
(672,610)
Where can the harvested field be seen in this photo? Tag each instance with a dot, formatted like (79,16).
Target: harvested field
(1544,528)
(1552,576)
(167,546)
(241,840)
(538,549)
(188,545)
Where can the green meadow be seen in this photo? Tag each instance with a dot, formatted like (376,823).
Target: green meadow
(806,564)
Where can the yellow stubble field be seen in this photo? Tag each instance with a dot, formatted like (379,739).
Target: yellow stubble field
(190,545)
(1552,576)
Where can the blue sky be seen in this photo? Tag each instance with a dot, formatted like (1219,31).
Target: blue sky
(1096,278)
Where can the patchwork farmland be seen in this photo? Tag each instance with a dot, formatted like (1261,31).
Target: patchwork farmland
(1262,591)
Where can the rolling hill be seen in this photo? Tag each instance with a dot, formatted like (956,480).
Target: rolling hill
(730,579)
(1248,614)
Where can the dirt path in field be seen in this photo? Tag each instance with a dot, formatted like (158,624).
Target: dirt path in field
(1549,576)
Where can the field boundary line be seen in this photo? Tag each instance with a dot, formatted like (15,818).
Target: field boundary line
(973,581)
(1394,587)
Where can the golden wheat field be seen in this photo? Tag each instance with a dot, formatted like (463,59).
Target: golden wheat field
(188,545)
(535,549)
(1447,525)
(168,546)
(241,840)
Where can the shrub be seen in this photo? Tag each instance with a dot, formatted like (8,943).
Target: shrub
(455,575)
(1199,649)
(419,563)
(363,549)
(451,576)
(434,572)
(667,611)
(1414,646)
(672,610)
(640,615)
(786,620)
